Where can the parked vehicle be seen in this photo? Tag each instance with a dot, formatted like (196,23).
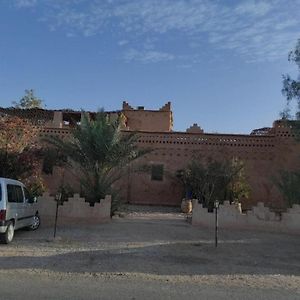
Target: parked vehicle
(17,209)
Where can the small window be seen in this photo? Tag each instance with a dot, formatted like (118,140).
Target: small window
(157,172)
(14,194)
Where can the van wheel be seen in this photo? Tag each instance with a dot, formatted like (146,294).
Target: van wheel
(8,235)
(36,222)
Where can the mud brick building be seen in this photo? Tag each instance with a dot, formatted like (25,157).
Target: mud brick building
(264,152)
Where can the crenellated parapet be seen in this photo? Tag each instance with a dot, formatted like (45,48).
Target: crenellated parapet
(141,119)
(126,106)
(166,107)
(195,128)
(75,209)
(259,217)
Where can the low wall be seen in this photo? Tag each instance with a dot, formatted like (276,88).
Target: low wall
(74,209)
(260,217)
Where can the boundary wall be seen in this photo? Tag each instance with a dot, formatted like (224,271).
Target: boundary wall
(260,217)
(75,208)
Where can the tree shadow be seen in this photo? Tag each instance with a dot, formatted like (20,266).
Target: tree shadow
(178,258)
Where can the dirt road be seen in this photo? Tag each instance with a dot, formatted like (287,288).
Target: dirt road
(20,285)
(149,256)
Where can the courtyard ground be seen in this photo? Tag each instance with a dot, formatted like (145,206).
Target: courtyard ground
(149,253)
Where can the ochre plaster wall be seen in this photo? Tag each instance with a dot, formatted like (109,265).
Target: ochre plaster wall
(263,156)
(148,120)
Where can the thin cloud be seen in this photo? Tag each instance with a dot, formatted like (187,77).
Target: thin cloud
(254,30)
(123,42)
(25,3)
(147,56)
(256,8)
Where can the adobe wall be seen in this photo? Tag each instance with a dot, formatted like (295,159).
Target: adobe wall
(148,120)
(263,155)
(260,217)
(75,209)
(176,150)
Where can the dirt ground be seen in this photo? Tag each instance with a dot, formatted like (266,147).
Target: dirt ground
(160,246)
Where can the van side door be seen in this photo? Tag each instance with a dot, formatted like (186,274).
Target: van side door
(29,208)
(15,204)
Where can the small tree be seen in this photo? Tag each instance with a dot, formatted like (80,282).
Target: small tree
(29,100)
(288,184)
(238,186)
(222,180)
(98,152)
(291,87)
(19,156)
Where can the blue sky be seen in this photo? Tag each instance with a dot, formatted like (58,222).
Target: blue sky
(219,62)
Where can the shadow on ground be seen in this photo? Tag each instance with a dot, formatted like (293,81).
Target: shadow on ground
(162,248)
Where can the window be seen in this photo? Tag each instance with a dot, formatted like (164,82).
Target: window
(14,193)
(19,193)
(157,172)
(27,194)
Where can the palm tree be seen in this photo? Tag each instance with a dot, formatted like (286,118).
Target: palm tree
(99,151)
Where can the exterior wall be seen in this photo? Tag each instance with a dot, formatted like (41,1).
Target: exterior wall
(260,217)
(148,120)
(59,176)
(75,209)
(176,150)
(263,155)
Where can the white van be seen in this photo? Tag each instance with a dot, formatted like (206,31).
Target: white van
(17,209)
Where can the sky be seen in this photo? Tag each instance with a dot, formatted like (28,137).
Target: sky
(220,62)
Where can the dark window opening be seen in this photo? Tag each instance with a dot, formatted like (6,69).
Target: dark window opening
(157,172)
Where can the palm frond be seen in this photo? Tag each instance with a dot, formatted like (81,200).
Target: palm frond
(99,150)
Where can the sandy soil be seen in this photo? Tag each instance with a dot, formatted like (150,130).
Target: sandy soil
(161,247)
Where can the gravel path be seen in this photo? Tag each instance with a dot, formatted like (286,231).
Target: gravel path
(157,248)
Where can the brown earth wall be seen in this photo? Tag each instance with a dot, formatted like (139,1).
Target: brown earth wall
(149,120)
(176,150)
(263,157)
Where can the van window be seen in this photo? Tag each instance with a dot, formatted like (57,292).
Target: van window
(27,194)
(14,193)
(0,192)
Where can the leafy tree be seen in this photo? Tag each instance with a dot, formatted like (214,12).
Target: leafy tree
(98,151)
(29,100)
(52,157)
(238,186)
(291,87)
(222,180)
(288,184)
(19,156)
